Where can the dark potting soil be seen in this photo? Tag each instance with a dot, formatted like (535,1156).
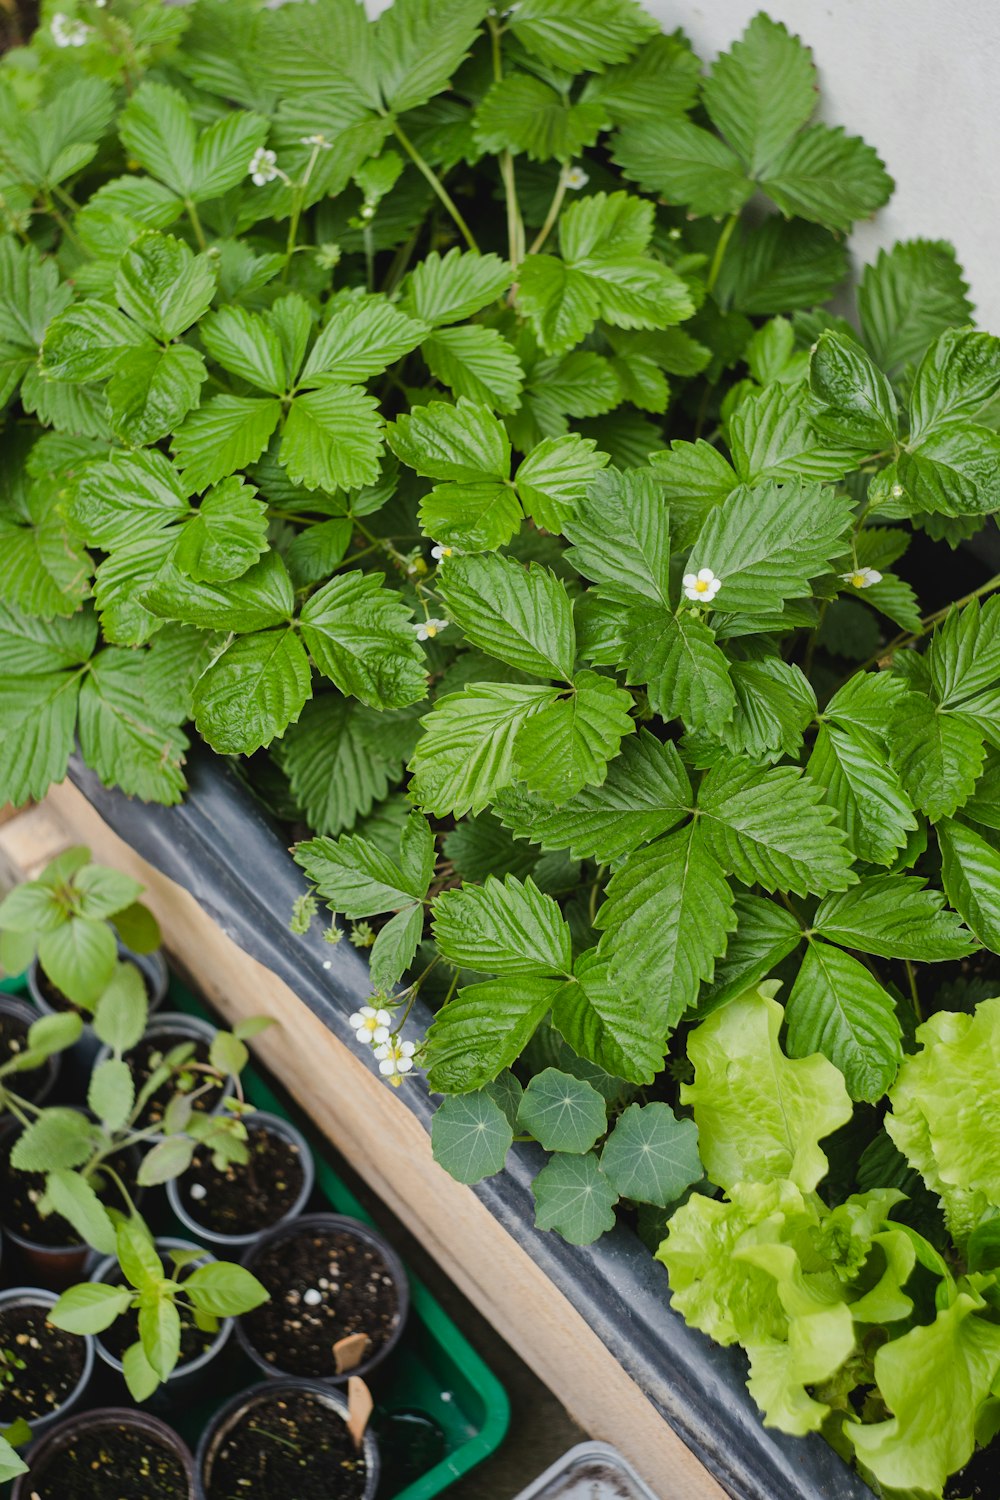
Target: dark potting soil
(146,1057)
(290,1447)
(14,1040)
(980,1479)
(248,1197)
(21,1192)
(124,1332)
(39,1365)
(111,1463)
(355,1291)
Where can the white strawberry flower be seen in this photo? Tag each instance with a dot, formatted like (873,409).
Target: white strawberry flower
(575,177)
(263,167)
(701,587)
(317,140)
(439,552)
(371,1026)
(68,33)
(862,578)
(426,630)
(395,1060)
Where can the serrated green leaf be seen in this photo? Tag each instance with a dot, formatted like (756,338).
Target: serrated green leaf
(568,744)
(125,498)
(261,597)
(472,517)
(560,303)
(957,378)
(685,672)
(358,879)
(158,130)
(419,44)
(483,1030)
(226,434)
(124,740)
(573,1196)
(909,295)
(838,1008)
(556,31)
(163,286)
(522,114)
(761,91)
(225,535)
(661,79)
(963,658)
(152,390)
(332,438)
(769,827)
(765,934)
(827,177)
(646,793)
(895,917)
(666,916)
(477,363)
(606,1025)
(857,404)
(936,755)
(563,1113)
(57,1139)
(362,336)
(88,341)
(685,163)
(780,265)
(252,692)
(340,758)
(651,1156)
(508,929)
(446,289)
(556,476)
(773,436)
(621,533)
(775,703)
(851,768)
(970,870)
(466,752)
(394,947)
(523,616)
(360,636)
(470,1137)
(464,442)
(247,345)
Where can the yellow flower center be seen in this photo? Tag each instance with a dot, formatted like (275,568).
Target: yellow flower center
(432,630)
(701,587)
(858,580)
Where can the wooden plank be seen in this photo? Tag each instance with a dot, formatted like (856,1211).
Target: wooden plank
(384,1142)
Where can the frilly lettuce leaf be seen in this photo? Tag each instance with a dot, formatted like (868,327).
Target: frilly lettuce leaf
(760,1115)
(945,1116)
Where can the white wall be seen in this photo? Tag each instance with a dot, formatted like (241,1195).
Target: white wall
(920,80)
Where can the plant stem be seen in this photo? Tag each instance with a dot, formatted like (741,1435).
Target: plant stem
(905,638)
(515,223)
(439,188)
(298,198)
(553,213)
(914,996)
(199,233)
(720,249)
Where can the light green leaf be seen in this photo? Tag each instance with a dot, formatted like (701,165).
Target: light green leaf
(651,1156)
(568,744)
(665,919)
(395,946)
(761,91)
(247,345)
(573,1196)
(856,400)
(894,916)
(609,31)
(88,341)
(753,1134)
(472,517)
(556,476)
(685,672)
(362,336)
(158,129)
(560,303)
(563,1113)
(447,289)
(91,1307)
(419,44)
(769,827)
(963,658)
(252,692)
(837,1008)
(360,636)
(466,752)
(79,958)
(828,177)
(477,363)
(358,879)
(225,535)
(508,929)
(850,767)
(483,1030)
(970,870)
(909,295)
(57,1139)
(140,1377)
(111,1093)
(646,793)
(123,738)
(126,498)
(152,390)
(120,1016)
(470,1137)
(521,114)
(464,442)
(223,1290)
(332,438)
(523,616)
(226,434)
(163,286)
(773,436)
(160,1334)
(685,163)
(340,758)
(937,756)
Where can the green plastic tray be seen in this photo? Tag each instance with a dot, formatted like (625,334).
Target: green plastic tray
(434,1369)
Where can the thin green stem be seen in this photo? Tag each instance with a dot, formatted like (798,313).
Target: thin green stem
(906,638)
(199,233)
(911,975)
(63,223)
(515,223)
(553,213)
(720,249)
(437,185)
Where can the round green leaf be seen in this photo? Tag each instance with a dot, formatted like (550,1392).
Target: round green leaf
(563,1113)
(573,1196)
(470,1136)
(651,1156)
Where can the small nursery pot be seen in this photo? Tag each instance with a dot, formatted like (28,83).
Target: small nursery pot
(313,1268)
(168,1471)
(168,1030)
(189,1376)
(280,1200)
(16,1016)
(80,1058)
(55,1265)
(23,1314)
(230,1436)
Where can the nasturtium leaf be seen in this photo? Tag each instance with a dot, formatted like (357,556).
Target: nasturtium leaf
(507,928)
(470,1136)
(563,1113)
(465,755)
(359,635)
(651,1156)
(646,792)
(770,827)
(747,1133)
(665,920)
(838,1008)
(894,916)
(252,692)
(573,1196)
(521,615)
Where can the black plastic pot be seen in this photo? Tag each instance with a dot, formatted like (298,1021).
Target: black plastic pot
(185,1209)
(171,1028)
(188,1380)
(34,1296)
(225,1421)
(41,1455)
(219,845)
(39,1084)
(363,1234)
(80,1058)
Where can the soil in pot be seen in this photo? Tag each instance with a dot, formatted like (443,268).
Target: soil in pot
(292,1444)
(58,1001)
(40,1366)
(245,1198)
(20,1193)
(124,1332)
(324,1285)
(14,1040)
(146,1057)
(110,1461)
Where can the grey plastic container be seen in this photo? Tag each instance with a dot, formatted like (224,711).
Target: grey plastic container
(36,1296)
(590,1471)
